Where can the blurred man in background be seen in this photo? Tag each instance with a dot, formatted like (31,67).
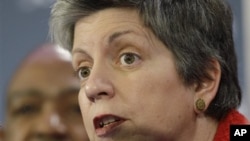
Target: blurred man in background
(42,99)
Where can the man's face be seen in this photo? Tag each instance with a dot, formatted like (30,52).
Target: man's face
(130,89)
(43,104)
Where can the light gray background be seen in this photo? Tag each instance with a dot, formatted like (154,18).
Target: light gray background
(24,26)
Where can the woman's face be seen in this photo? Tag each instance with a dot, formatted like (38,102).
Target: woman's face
(130,89)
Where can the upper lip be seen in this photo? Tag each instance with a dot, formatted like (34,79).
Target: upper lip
(103,120)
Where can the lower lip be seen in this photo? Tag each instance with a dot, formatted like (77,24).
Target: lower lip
(109,129)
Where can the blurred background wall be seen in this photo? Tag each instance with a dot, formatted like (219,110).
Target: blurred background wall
(24,26)
(246,53)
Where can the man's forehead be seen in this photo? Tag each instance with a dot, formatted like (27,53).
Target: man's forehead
(48,52)
(45,68)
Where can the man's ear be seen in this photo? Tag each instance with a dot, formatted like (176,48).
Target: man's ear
(207,90)
(1,133)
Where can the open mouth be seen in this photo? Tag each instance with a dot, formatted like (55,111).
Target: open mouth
(106,123)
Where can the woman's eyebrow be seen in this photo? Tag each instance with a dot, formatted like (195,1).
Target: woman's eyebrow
(79,50)
(115,35)
(111,38)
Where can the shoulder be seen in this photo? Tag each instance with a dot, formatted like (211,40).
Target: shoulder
(234,117)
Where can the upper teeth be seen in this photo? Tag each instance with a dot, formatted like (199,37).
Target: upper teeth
(106,121)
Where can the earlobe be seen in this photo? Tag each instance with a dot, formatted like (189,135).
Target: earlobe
(207,90)
(200,104)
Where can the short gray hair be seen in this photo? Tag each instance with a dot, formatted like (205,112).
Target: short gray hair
(195,31)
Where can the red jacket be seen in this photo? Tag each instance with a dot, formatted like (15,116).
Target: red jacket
(223,129)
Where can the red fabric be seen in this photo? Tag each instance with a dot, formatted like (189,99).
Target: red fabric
(223,129)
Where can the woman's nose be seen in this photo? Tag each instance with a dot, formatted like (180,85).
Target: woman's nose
(99,85)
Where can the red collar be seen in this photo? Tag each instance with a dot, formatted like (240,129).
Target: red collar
(223,129)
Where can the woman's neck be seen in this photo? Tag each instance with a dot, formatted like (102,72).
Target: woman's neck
(205,129)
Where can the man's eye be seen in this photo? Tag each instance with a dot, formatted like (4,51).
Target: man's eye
(26,110)
(83,72)
(129,59)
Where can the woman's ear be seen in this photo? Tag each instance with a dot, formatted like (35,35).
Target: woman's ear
(207,90)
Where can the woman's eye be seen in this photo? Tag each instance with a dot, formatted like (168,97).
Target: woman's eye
(129,58)
(83,72)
